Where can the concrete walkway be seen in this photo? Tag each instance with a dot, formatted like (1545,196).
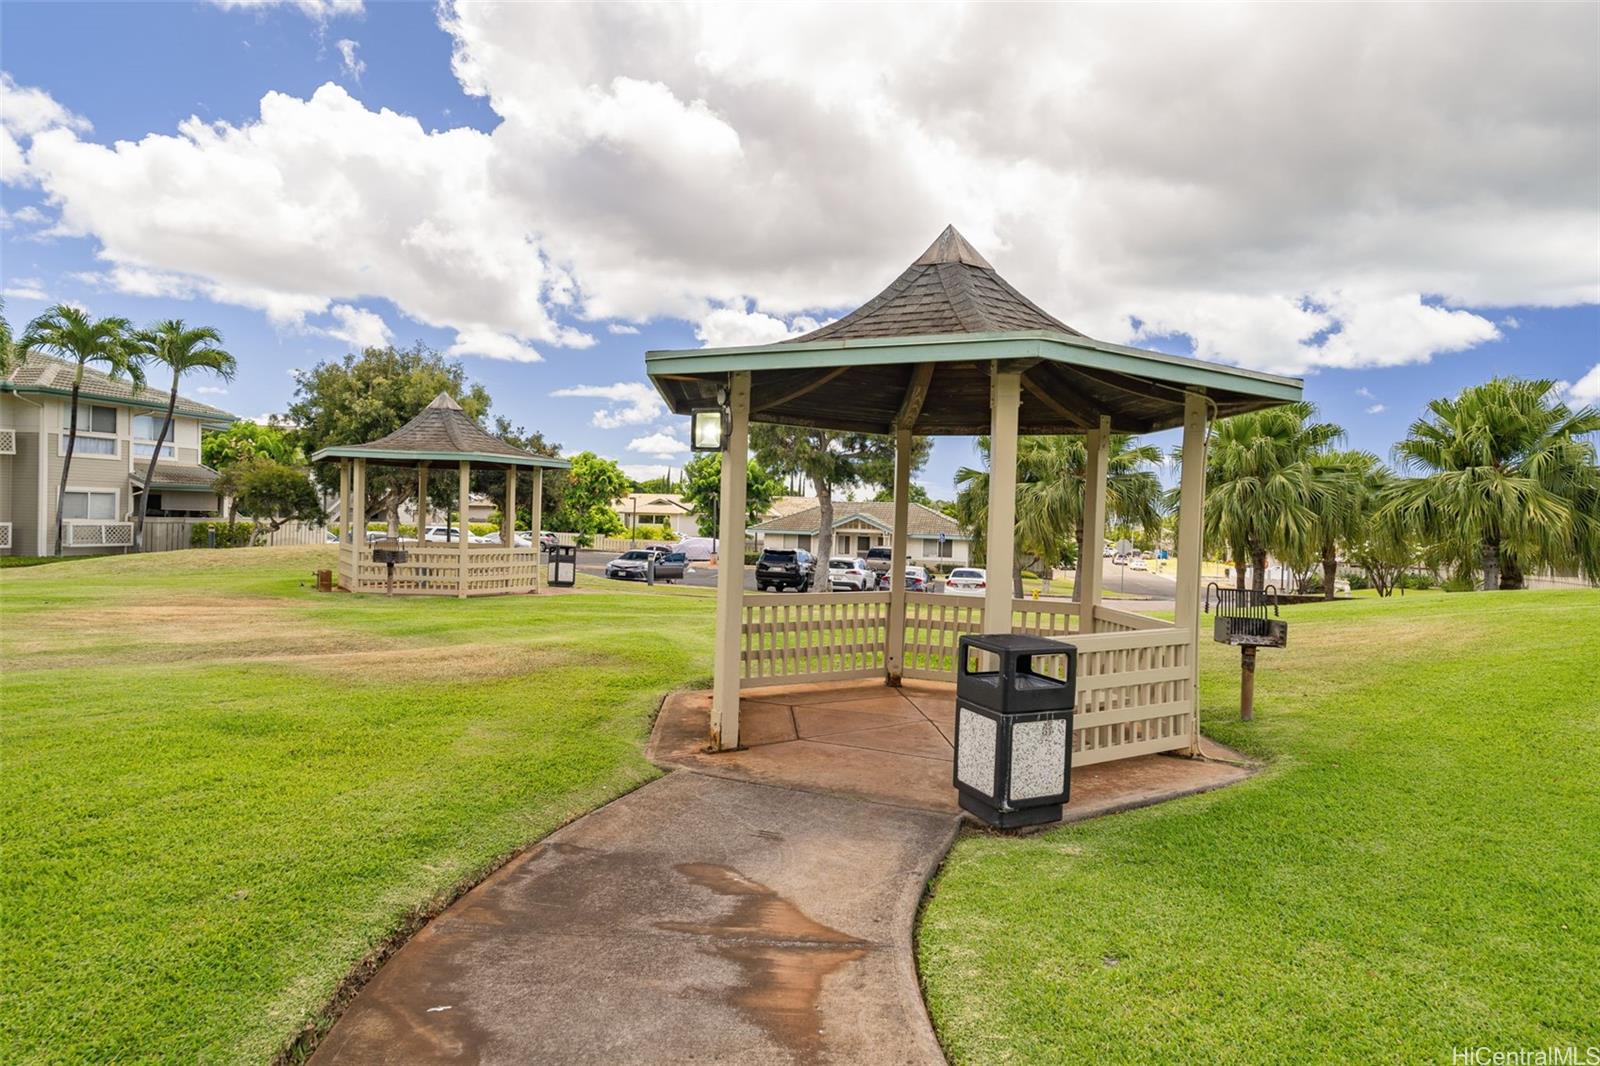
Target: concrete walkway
(753,906)
(695,920)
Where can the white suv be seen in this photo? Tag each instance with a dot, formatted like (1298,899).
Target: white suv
(851,574)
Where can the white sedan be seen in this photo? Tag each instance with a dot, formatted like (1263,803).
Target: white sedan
(449,535)
(851,574)
(967,581)
(521,538)
(1138,563)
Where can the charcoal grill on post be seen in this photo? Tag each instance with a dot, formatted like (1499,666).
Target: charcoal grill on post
(389,557)
(1247,619)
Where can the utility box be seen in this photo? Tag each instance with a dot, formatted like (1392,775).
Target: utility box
(1013,760)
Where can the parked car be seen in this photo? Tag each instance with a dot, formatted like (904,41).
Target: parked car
(851,574)
(672,567)
(1108,552)
(778,569)
(548,540)
(521,538)
(1138,563)
(449,535)
(880,560)
(916,579)
(698,549)
(967,581)
(381,536)
(630,565)
(658,550)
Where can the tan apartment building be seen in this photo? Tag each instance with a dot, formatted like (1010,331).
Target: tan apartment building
(118,427)
(932,537)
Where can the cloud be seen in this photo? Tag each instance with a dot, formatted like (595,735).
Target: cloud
(733,326)
(24,289)
(319,11)
(24,113)
(1587,388)
(1511,322)
(493,345)
(1365,393)
(359,327)
(1339,199)
(660,444)
(348,60)
(209,390)
(633,403)
(645,471)
(1377,409)
(621,328)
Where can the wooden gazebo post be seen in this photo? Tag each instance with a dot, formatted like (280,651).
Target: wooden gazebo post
(536,522)
(1090,577)
(1191,522)
(730,570)
(358,527)
(344,524)
(1005,400)
(461,530)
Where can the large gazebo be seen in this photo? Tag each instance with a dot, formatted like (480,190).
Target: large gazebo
(441,436)
(950,348)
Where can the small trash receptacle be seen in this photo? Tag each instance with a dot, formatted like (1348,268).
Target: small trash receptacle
(563,565)
(1013,762)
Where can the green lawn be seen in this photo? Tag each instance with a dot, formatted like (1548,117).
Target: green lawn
(1418,869)
(222,788)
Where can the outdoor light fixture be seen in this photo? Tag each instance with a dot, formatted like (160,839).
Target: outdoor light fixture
(1013,764)
(709,426)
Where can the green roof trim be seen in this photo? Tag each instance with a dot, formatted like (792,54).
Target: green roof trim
(481,458)
(966,347)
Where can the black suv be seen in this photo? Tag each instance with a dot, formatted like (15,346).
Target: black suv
(792,569)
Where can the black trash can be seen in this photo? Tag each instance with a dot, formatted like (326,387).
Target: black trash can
(563,565)
(1013,764)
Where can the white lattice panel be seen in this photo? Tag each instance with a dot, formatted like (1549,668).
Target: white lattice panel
(91,534)
(8,442)
(5,536)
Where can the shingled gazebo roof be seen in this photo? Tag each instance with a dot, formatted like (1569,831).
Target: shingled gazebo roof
(949,289)
(441,432)
(919,356)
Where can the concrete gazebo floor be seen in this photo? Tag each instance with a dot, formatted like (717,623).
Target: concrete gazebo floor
(888,745)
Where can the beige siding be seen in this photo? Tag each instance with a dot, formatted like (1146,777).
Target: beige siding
(88,472)
(187,501)
(23,494)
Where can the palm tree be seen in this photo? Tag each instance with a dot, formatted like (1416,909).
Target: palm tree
(7,349)
(1505,481)
(1050,476)
(70,334)
(1340,506)
(1261,487)
(180,348)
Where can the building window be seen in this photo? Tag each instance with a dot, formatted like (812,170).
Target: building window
(92,418)
(146,430)
(90,504)
(88,445)
(803,542)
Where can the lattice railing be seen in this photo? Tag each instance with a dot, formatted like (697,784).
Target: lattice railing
(92,533)
(5,536)
(8,442)
(436,571)
(812,636)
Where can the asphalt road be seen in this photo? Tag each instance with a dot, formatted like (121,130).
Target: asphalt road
(1118,579)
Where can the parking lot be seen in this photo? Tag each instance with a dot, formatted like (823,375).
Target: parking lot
(1118,579)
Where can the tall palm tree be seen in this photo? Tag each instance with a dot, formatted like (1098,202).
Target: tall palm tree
(180,348)
(1050,478)
(1505,480)
(70,334)
(1261,487)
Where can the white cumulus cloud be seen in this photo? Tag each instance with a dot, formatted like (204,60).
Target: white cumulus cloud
(349,61)
(319,11)
(633,403)
(1587,388)
(359,327)
(733,326)
(621,328)
(492,345)
(660,445)
(1377,409)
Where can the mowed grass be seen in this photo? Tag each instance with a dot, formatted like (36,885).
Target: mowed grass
(223,788)
(1417,870)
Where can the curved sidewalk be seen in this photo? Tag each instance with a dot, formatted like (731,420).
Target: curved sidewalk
(695,919)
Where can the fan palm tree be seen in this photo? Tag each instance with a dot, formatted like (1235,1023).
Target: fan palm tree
(1261,487)
(70,334)
(1050,476)
(180,348)
(7,349)
(1505,481)
(1340,505)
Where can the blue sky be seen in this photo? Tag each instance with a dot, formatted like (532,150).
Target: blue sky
(608,221)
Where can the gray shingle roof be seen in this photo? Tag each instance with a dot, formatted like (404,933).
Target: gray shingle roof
(40,373)
(441,430)
(175,475)
(922,521)
(950,288)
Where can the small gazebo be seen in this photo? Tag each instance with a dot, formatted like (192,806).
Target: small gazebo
(951,348)
(442,435)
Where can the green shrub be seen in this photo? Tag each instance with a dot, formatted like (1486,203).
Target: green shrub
(234,535)
(1460,583)
(648,531)
(751,557)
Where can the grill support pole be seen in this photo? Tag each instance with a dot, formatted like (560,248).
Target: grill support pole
(1247,683)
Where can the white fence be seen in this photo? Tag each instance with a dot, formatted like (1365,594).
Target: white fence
(1135,674)
(437,570)
(174,534)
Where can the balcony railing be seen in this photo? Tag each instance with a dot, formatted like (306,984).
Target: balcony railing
(94,533)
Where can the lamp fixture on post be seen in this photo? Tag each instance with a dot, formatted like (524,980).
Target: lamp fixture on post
(709,426)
